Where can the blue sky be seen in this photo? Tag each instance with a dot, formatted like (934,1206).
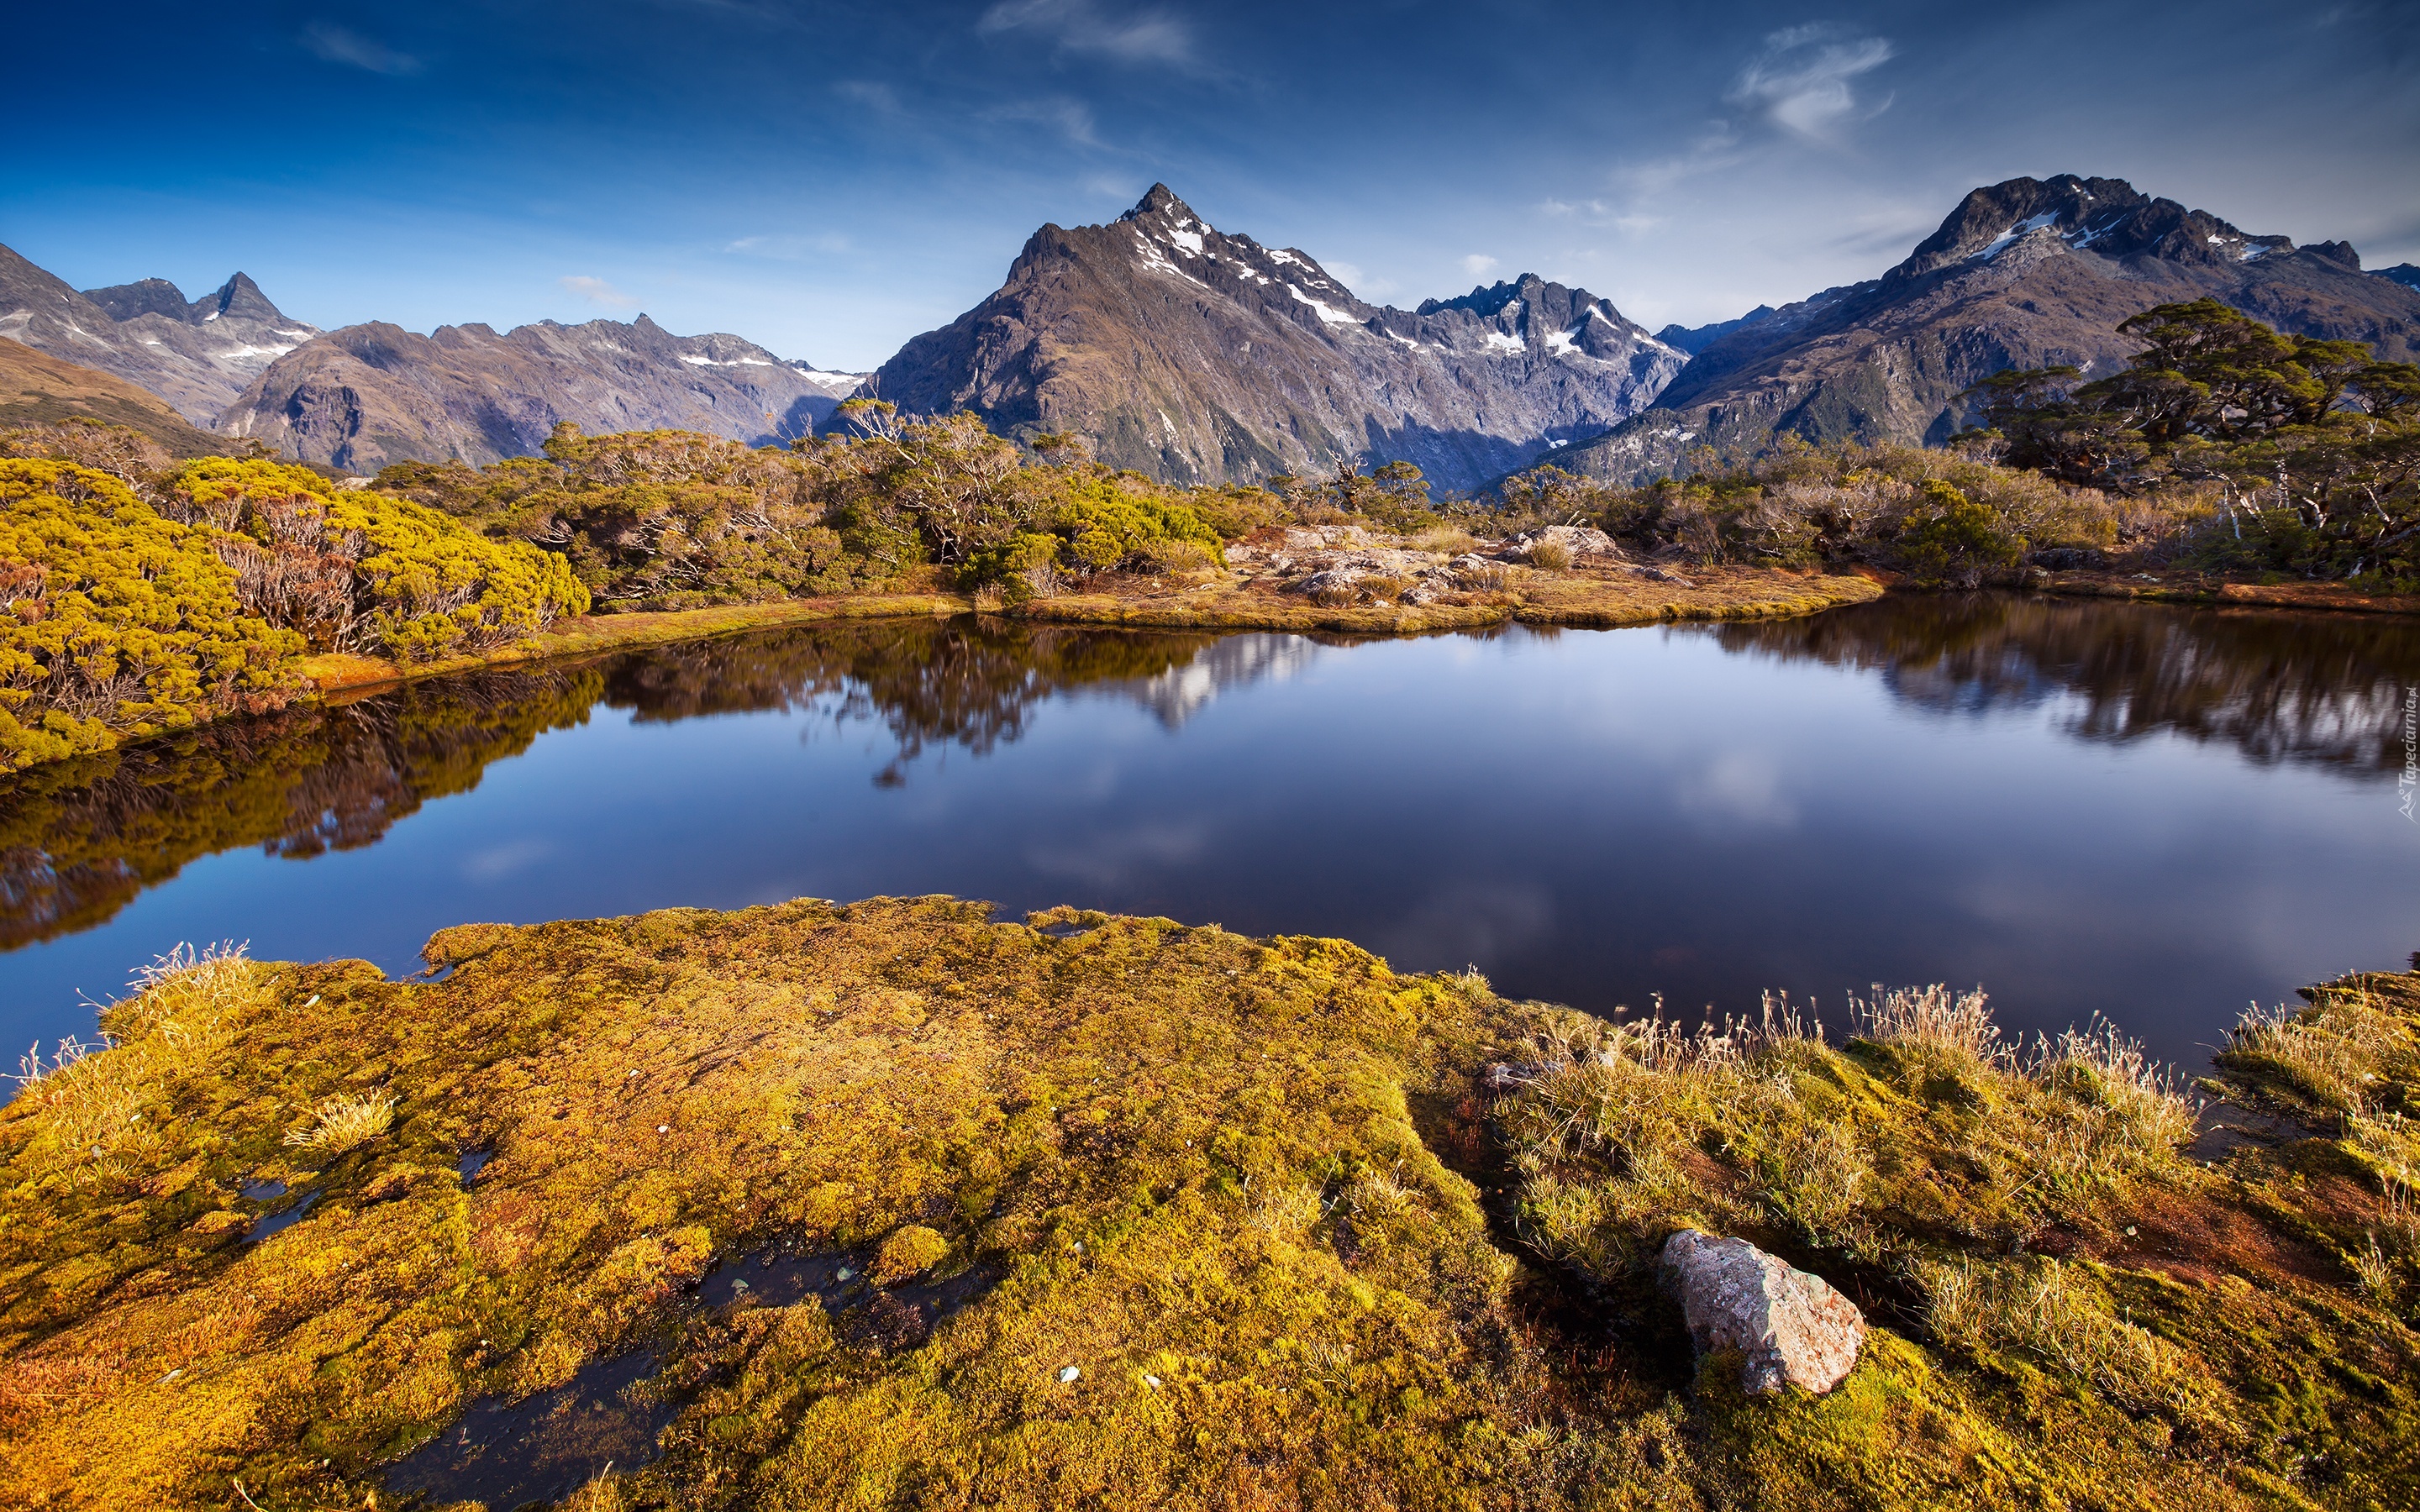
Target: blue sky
(830,180)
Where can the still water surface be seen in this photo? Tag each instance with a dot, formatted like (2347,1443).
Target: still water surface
(2149,813)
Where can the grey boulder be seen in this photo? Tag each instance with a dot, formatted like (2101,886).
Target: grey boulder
(1791,1326)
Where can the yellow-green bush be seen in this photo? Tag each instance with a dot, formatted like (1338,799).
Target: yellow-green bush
(356,570)
(119,624)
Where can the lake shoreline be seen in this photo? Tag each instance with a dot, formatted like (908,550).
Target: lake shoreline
(1603,599)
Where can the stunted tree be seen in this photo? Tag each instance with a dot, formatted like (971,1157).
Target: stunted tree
(2314,444)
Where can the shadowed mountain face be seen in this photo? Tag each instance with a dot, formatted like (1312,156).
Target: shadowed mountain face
(1197,355)
(196,354)
(367,396)
(37,389)
(2028,273)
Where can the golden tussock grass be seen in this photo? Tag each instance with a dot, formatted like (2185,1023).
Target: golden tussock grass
(1266,1196)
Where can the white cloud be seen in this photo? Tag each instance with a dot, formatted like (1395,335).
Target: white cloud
(332,43)
(1597,213)
(1479,265)
(873,95)
(1801,81)
(595,291)
(1083,27)
(1071,118)
(1738,788)
(789,248)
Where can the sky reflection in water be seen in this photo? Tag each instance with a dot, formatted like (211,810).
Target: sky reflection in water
(2149,813)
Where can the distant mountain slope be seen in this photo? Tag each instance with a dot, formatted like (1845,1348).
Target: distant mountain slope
(2027,274)
(198,355)
(37,389)
(366,395)
(1194,355)
(2407,274)
(1695,339)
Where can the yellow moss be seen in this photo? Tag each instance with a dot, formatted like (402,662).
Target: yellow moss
(1210,1204)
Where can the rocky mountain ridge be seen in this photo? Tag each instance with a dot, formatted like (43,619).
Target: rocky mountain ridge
(2025,273)
(196,354)
(367,396)
(1200,356)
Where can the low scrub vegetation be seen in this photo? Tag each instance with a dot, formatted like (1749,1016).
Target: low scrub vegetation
(142,599)
(119,623)
(1155,1215)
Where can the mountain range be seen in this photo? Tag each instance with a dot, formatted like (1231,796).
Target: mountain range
(1196,355)
(2025,273)
(369,394)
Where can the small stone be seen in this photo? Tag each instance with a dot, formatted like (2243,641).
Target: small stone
(663,1128)
(1153,1381)
(1069,1375)
(739,1286)
(1791,1326)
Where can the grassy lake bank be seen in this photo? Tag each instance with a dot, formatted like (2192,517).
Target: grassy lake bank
(1107,1210)
(1577,597)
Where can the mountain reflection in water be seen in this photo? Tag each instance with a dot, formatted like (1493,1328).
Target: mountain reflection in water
(2278,686)
(2152,812)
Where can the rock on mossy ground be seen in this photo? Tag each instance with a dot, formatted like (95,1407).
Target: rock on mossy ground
(1243,1223)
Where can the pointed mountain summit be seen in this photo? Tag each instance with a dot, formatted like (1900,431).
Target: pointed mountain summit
(2025,273)
(197,355)
(1196,355)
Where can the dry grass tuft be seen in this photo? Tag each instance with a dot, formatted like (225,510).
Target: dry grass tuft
(1932,1019)
(1444,540)
(341,1123)
(178,1013)
(2334,1056)
(2040,1307)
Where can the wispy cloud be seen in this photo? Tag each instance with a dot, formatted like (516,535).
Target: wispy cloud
(1597,213)
(1799,87)
(1479,265)
(872,93)
(1802,80)
(1717,147)
(595,291)
(1070,118)
(1084,26)
(332,43)
(1362,283)
(790,248)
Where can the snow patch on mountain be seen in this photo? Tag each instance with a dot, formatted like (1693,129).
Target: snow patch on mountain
(1326,312)
(2007,238)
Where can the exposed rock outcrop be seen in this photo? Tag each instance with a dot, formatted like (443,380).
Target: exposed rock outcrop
(1792,1327)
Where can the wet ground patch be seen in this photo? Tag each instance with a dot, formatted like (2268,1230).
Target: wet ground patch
(545,1447)
(896,1316)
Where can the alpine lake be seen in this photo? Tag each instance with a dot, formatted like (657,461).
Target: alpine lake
(2153,815)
